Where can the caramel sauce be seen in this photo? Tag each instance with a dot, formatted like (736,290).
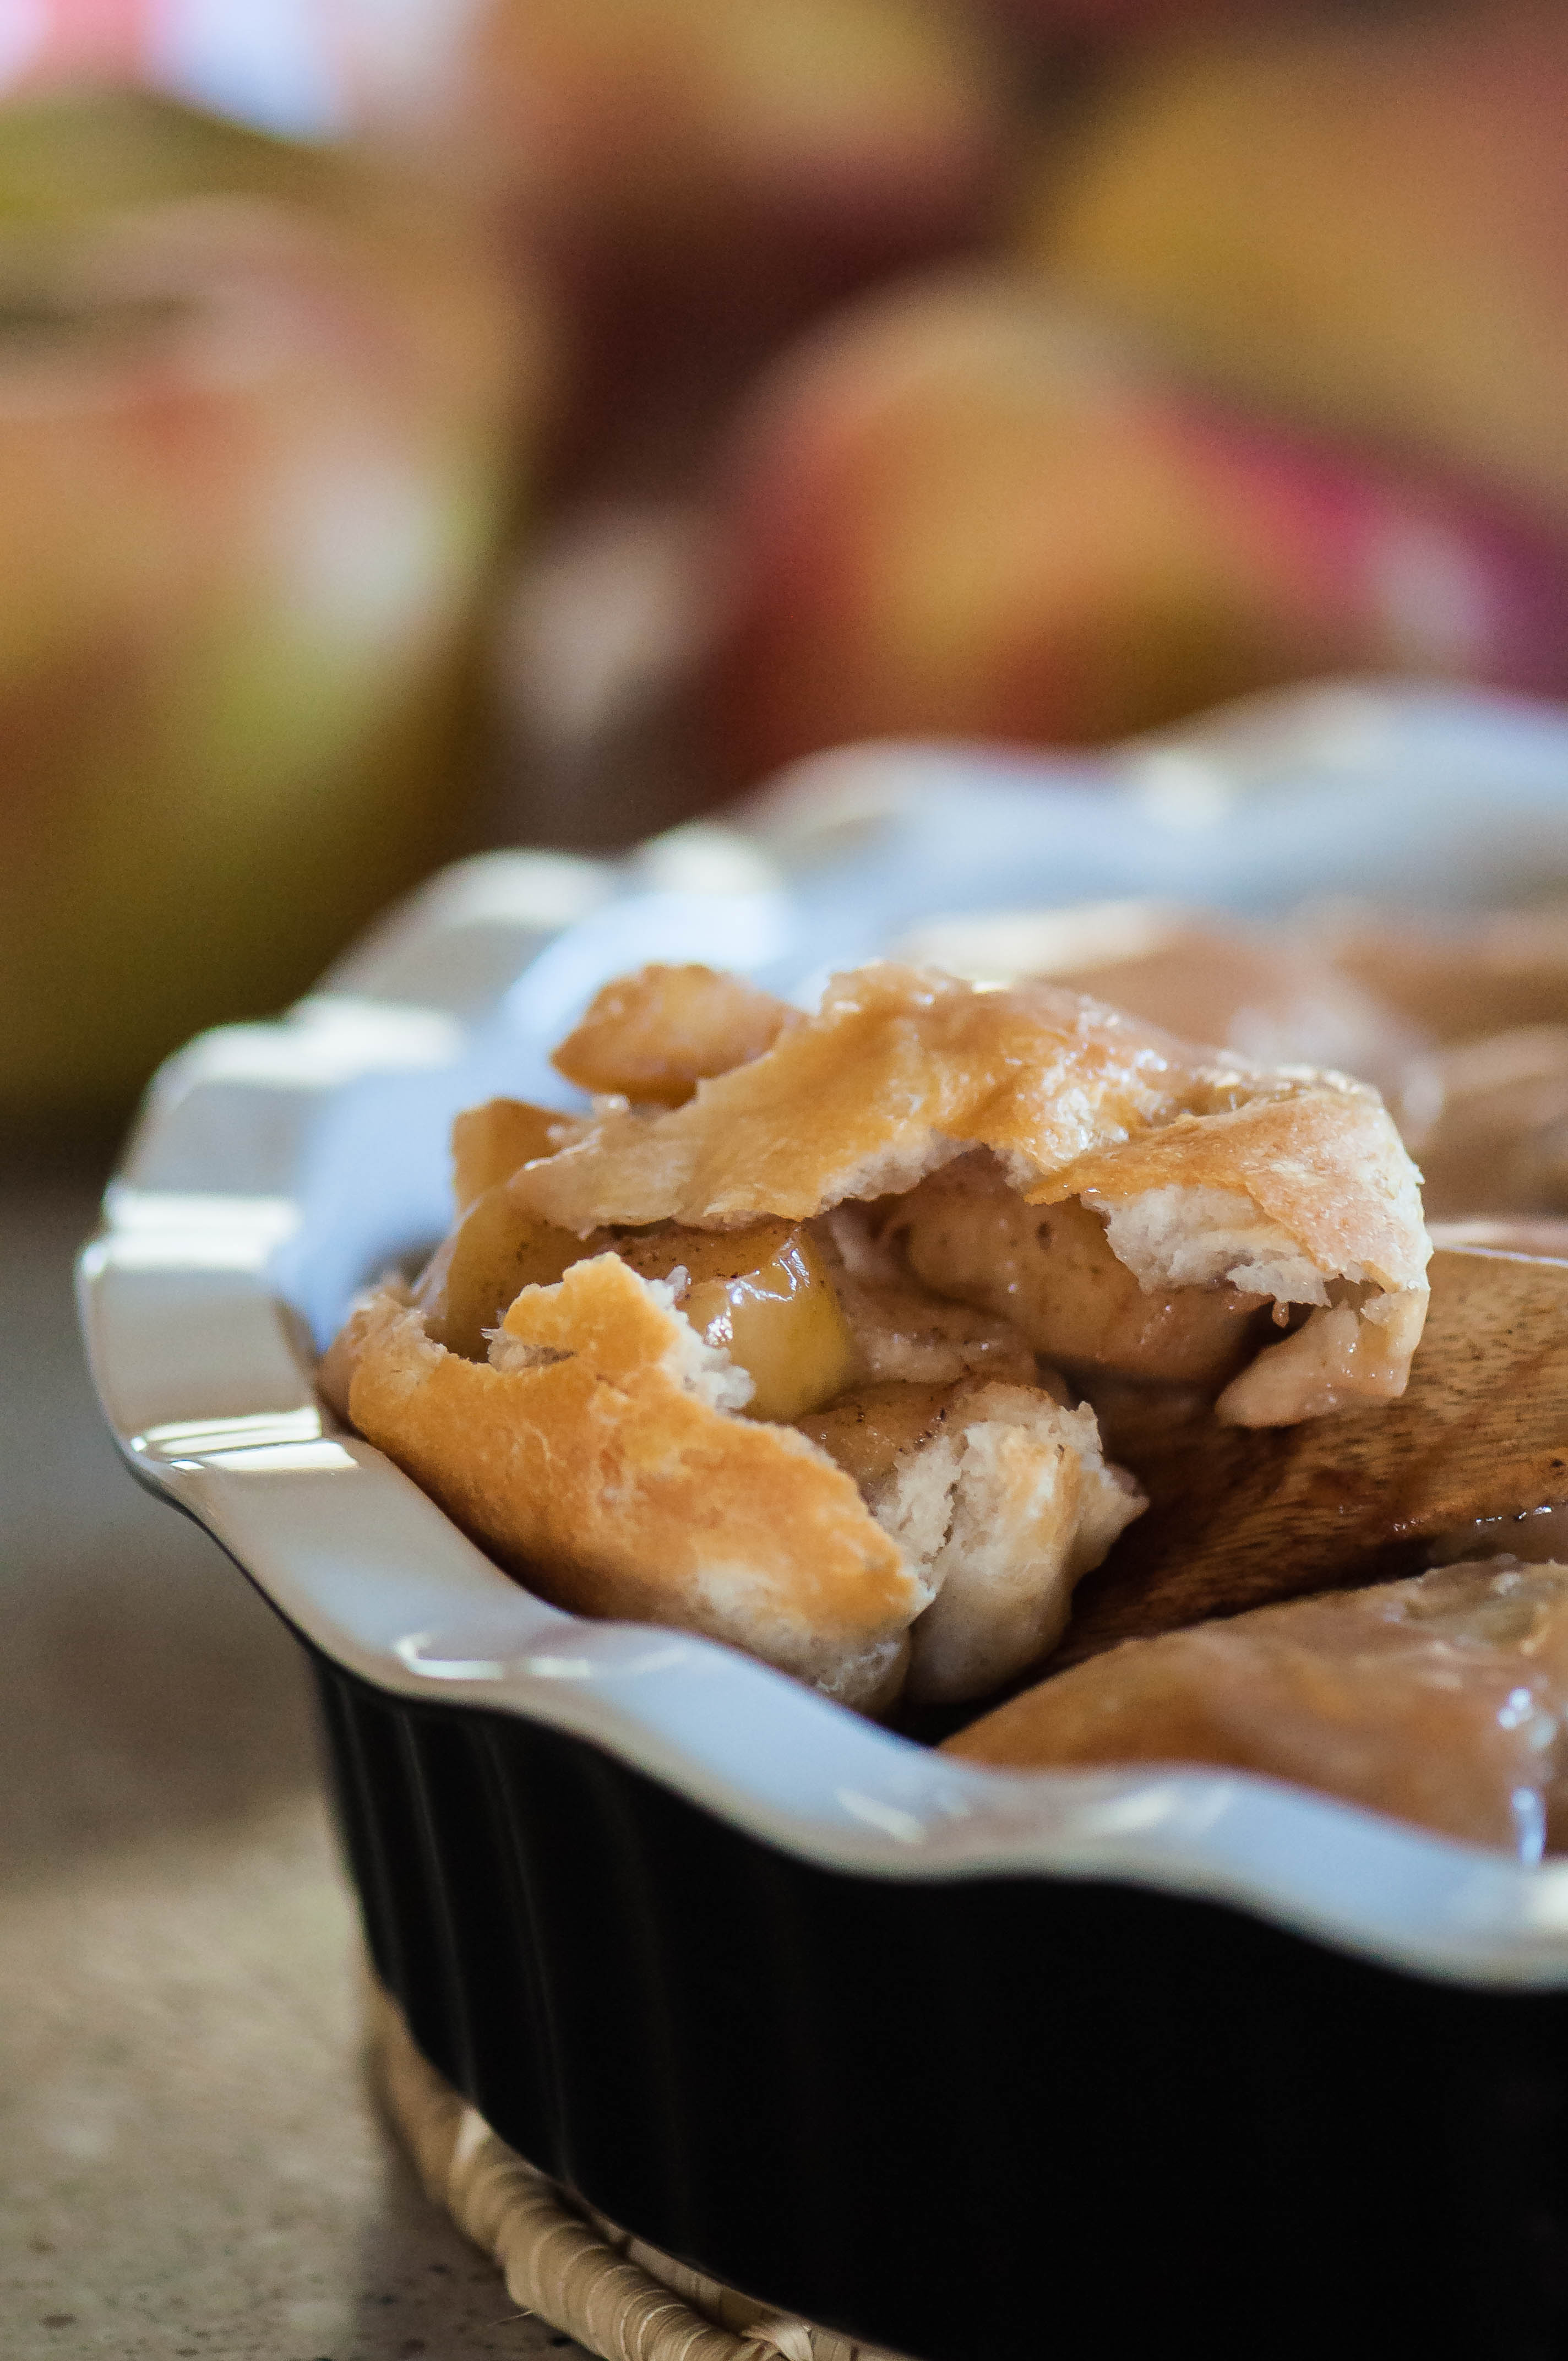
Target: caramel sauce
(762,1294)
(483,1264)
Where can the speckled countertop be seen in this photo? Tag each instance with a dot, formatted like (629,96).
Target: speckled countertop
(189,2163)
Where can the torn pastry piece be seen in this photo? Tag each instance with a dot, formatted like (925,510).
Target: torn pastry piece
(653,1037)
(1000,1498)
(489,1142)
(1310,1200)
(596,1454)
(1455,976)
(691,1349)
(1269,994)
(1440,1700)
(1291,1188)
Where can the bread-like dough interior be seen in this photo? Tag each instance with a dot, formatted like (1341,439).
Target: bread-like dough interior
(928,1218)
(1290,1187)
(990,1481)
(1000,1495)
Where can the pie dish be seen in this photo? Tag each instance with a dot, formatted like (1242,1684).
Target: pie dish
(926,2052)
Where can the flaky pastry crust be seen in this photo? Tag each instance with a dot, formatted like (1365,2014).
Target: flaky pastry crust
(904,1069)
(595,1456)
(655,1035)
(906,1135)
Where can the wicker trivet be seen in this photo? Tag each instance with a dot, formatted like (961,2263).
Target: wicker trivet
(622,2300)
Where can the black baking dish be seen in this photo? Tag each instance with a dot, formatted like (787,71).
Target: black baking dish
(970,2065)
(965,2122)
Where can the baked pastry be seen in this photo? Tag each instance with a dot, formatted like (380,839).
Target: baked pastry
(1489,1121)
(1271,993)
(1440,1700)
(1474,1451)
(1457,976)
(1286,1188)
(791,1351)
(1462,1021)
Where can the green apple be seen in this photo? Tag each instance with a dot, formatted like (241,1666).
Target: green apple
(258,421)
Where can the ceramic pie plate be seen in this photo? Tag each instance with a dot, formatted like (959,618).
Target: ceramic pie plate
(931,2055)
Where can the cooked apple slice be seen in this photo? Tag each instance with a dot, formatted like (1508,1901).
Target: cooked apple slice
(483,1266)
(762,1295)
(1241,1517)
(1438,1701)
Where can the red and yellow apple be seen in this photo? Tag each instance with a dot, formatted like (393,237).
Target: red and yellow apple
(1360,221)
(257,414)
(1108,20)
(959,512)
(697,177)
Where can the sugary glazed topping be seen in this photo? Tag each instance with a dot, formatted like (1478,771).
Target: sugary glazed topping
(778,1352)
(1291,1188)
(654,1036)
(1442,1700)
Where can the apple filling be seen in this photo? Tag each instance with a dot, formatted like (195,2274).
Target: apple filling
(970,1453)
(483,1264)
(763,1296)
(770,1342)
(778,1298)
(1051,1270)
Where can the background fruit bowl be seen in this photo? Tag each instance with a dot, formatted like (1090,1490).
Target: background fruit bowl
(432,427)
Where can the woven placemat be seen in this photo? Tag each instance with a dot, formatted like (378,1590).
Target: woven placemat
(624,2300)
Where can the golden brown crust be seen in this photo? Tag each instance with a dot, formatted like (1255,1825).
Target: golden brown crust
(1459,977)
(1325,1163)
(653,1036)
(1437,1700)
(489,1142)
(1264,992)
(904,1069)
(1489,1121)
(597,1465)
(900,1069)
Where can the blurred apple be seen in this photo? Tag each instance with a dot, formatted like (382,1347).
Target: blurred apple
(255,422)
(697,177)
(1103,20)
(958,513)
(1361,221)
